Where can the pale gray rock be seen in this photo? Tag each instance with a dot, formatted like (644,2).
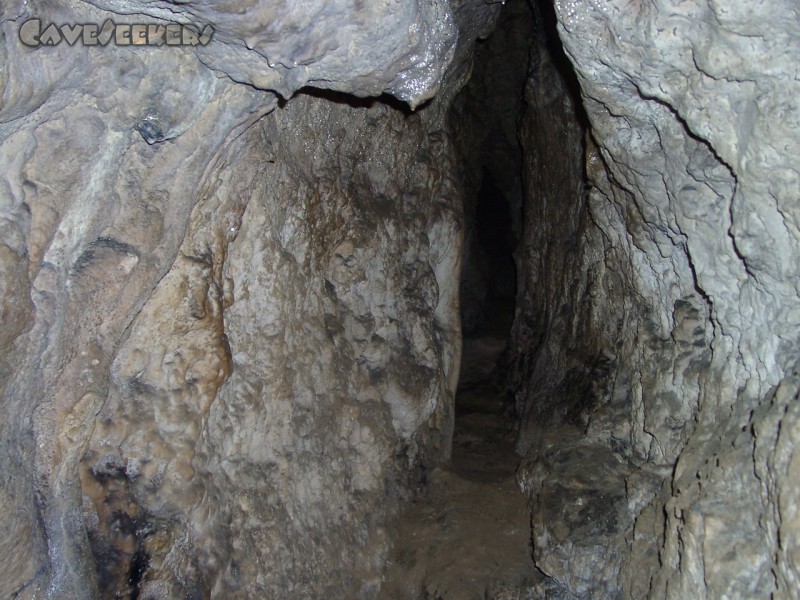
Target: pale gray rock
(401,48)
(232,330)
(230,312)
(298,370)
(668,326)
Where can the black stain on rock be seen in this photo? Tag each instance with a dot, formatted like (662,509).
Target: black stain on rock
(98,248)
(151,130)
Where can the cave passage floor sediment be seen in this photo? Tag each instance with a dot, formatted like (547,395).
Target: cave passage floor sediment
(468,535)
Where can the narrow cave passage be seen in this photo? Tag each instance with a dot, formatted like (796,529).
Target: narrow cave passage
(470,536)
(482,444)
(484,120)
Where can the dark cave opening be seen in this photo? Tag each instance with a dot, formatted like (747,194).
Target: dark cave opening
(496,241)
(485,120)
(520,131)
(483,436)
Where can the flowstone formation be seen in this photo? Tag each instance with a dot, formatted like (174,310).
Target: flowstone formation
(230,316)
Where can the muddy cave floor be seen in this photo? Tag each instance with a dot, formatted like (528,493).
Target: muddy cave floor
(468,535)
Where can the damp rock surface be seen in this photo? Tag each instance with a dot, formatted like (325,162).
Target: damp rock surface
(230,279)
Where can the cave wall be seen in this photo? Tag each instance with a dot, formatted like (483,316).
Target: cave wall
(654,354)
(230,329)
(279,395)
(230,334)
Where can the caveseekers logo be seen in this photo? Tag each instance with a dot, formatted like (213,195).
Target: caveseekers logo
(32,34)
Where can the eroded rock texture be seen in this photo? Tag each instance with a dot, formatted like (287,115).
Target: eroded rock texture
(301,371)
(230,328)
(655,348)
(230,324)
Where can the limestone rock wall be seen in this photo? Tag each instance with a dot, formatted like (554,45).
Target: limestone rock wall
(230,333)
(293,373)
(656,348)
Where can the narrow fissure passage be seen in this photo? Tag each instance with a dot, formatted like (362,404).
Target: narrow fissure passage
(484,434)
(469,534)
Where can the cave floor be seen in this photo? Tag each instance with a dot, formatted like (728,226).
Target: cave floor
(468,536)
